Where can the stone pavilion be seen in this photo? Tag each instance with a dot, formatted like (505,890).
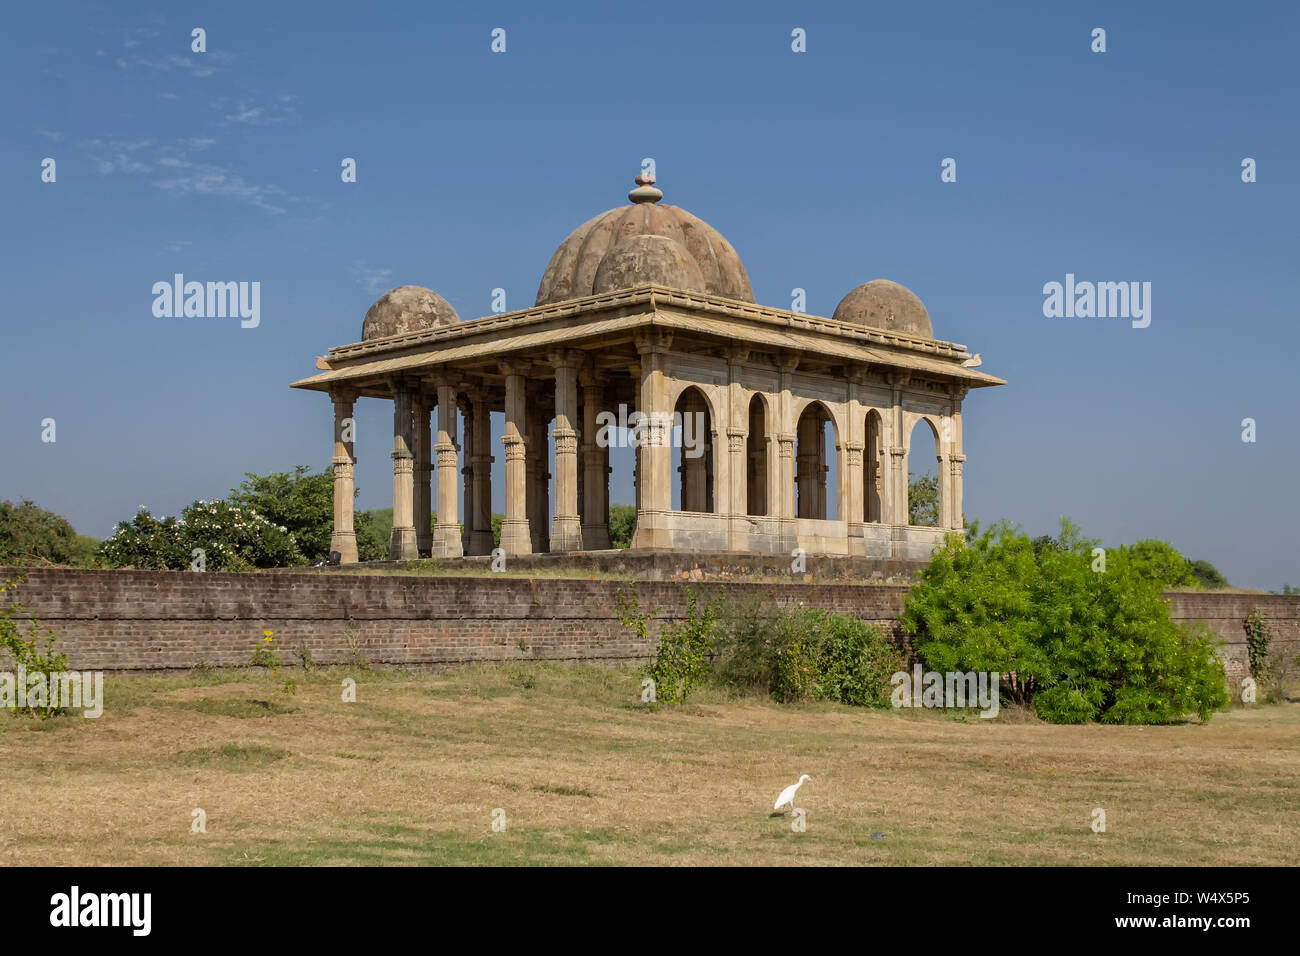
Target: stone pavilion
(648,308)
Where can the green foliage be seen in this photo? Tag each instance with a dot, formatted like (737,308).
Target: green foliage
(30,534)
(30,652)
(1288,589)
(301,502)
(374,530)
(923,500)
(622,521)
(496,529)
(751,644)
(1258,638)
(1081,645)
(1160,561)
(1207,576)
(231,537)
(685,648)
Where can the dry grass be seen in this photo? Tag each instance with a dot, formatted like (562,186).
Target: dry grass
(586,774)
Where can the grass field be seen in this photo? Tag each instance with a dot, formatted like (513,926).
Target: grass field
(586,774)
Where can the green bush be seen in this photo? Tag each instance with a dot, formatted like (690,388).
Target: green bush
(33,654)
(1083,645)
(684,652)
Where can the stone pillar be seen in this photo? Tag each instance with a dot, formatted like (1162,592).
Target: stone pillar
(467,473)
(402,544)
(595,464)
(566,529)
(735,500)
(344,537)
(956,457)
(654,457)
(852,485)
(480,538)
(423,451)
(897,504)
(515,536)
(446,537)
(539,479)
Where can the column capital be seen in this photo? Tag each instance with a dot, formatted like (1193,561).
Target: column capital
(652,341)
(343,395)
(898,379)
(566,358)
(787,362)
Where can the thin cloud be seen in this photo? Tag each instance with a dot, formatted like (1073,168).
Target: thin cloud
(372,280)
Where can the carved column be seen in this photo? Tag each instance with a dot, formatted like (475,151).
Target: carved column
(736,428)
(785,440)
(852,484)
(446,536)
(539,479)
(423,450)
(566,529)
(654,457)
(467,472)
(897,505)
(957,457)
(480,539)
(402,543)
(515,536)
(595,464)
(344,537)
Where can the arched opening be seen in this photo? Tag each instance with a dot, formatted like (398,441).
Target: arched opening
(924,489)
(692,442)
(756,502)
(873,469)
(815,431)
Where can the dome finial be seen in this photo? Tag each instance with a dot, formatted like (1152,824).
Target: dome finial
(645,189)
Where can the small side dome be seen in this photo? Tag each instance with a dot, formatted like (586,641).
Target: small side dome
(881,304)
(409,308)
(648,260)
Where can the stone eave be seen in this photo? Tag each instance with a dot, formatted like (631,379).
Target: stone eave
(571,322)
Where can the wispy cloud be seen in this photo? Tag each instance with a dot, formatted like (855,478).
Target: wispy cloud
(247,112)
(372,280)
(181,170)
(52,136)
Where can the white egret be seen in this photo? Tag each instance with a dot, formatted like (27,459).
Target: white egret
(787,795)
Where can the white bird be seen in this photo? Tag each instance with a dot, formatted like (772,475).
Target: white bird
(787,795)
(974,361)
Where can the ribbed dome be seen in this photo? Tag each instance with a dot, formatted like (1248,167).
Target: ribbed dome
(600,253)
(881,304)
(409,308)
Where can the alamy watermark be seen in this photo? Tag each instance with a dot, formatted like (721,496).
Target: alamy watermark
(179,299)
(633,429)
(1100,300)
(948,690)
(79,690)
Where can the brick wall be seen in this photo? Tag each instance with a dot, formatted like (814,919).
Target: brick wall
(157,620)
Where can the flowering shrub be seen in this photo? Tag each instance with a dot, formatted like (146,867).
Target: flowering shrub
(231,537)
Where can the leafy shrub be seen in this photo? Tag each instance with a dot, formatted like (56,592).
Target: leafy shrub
(1258,639)
(1082,645)
(30,652)
(684,652)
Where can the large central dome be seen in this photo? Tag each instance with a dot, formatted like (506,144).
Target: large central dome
(616,251)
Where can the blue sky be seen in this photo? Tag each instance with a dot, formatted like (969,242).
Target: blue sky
(821,168)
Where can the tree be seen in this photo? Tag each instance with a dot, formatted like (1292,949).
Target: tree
(923,500)
(30,534)
(301,501)
(622,519)
(1208,576)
